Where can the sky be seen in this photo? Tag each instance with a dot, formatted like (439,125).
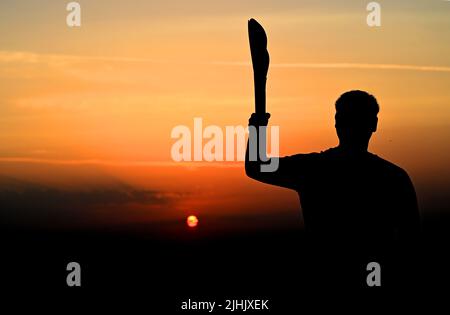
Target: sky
(86,113)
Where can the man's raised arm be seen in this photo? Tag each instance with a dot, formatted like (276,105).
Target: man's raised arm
(257,165)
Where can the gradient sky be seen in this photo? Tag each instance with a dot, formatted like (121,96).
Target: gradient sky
(94,106)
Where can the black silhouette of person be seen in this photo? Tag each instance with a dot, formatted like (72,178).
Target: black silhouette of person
(348,195)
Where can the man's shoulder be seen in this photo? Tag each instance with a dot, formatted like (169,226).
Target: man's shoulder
(388,166)
(334,154)
(312,156)
(302,157)
(307,161)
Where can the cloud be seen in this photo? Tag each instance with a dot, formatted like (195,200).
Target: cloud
(22,201)
(17,193)
(69,162)
(59,59)
(32,197)
(362,66)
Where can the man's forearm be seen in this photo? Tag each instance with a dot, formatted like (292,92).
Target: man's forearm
(257,161)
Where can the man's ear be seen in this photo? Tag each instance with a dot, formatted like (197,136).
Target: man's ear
(375,124)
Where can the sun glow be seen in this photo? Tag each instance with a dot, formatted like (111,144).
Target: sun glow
(192,221)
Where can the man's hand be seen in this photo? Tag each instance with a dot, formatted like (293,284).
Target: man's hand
(259,120)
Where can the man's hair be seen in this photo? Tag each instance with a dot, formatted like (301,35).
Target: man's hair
(358,103)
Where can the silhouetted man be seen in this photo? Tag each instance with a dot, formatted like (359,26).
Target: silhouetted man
(348,195)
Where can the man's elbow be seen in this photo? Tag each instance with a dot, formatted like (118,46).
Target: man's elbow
(251,169)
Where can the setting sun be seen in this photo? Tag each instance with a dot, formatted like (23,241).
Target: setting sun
(192,221)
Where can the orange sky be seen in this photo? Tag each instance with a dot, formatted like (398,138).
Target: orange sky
(109,93)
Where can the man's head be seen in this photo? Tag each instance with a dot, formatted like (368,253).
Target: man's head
(356,119)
